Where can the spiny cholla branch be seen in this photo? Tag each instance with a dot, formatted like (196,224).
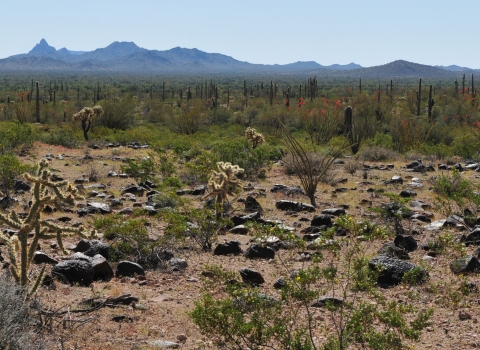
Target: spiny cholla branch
(45,193)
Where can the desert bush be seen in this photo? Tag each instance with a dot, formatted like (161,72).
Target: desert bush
(140,168)
(65,136)
(16,320)
(166,199)
(376,154)
(118,113)
(457,195)
(130,240)
(10,169)
(14,135)
(238,151)
(240,316)
(352,165)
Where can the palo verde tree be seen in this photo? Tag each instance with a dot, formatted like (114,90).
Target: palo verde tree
(85,116)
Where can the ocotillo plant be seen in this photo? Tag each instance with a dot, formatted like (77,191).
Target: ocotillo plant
(431,102)
(419,97)
(85,116)
(37,104)
(21,250)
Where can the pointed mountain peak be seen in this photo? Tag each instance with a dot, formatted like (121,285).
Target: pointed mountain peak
(42,48)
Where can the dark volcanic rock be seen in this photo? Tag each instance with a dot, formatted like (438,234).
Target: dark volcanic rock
(231,247)
(101,268)
(392,270)
(324,301)
(465,264)
(257,251)
(392,250)
(74,272)
(82,246)
(251,276)
(322,220)
(98,247)
(294,206)
(406,242)
(334,211)
(252,205)
(128,268)
(287,190)
(42,258)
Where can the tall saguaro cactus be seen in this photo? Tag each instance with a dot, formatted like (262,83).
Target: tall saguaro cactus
(419,97)
(37,104)
(431,102)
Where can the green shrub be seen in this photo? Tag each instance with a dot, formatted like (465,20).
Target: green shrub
(238,151)
(130,240)
(141,169)
(14,135)
(10,169)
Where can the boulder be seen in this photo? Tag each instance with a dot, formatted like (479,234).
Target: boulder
(406,242)
(252,205)
(74,272)
(42,258)
(465,264)
(177,264)
(257,251)
(129,268)
(231,247)
(391,270)
(322,220)
(294,206)
(101,268)
(251,276)
(334,211)
(98,247)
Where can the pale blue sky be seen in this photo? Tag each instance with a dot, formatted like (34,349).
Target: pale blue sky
(367,32)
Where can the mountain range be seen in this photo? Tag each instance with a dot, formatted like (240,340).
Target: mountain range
(127,57)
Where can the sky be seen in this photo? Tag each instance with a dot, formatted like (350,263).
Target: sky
(366,32)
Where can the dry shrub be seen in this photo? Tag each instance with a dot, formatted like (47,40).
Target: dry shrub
(352,165)
(329,177)
(377,154)
(16,330)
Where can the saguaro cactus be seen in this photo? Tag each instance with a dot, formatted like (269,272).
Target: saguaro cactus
(37,104)
(431,102)
(419,97)
(353,133)
(20,247)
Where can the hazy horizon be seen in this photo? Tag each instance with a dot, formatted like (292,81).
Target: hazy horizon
(368,33)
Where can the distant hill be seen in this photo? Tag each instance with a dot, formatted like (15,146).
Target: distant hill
(128,57)
(399,69)
(455,68)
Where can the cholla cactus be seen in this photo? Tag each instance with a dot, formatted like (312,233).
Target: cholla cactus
(254,137)
(223,182)
(85,116)
(45,192)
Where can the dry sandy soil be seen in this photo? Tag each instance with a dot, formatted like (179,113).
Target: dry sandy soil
(167,296)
